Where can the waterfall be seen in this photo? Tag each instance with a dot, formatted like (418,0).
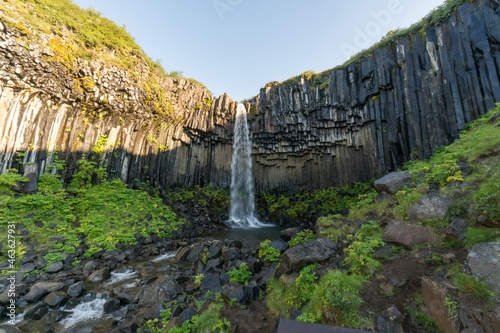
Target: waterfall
(242,212)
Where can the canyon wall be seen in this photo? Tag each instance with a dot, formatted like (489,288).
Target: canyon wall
(367,118)
(358,122)
(52,113)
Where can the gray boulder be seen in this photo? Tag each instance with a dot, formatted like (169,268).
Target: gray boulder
(164,289)
(428,207)
(99,275)
(301,255)
(31,173)
(408,235)
(393,182)
(41,289)
(484,261)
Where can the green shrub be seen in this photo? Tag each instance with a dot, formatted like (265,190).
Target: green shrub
(487,199)
(337,300)
(359,254)
(473,286)
(241,274)
(285,294)
(302,237)
(267,252)
(11,178)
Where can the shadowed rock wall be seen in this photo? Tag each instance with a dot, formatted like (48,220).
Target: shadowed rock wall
(402,102)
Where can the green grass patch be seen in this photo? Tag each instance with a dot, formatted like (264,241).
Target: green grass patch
(101,216)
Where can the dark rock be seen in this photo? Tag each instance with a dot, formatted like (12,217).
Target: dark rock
(41,289)
(456,230)
(213,265)
(31,173)
(9,328)
(390,321)
(187,314)
(428,207)
(56,299)
(55,267)
(384,196)
(111,305)
(304,254)
(75,289)
(99,276)
(211,282)
(36,312)
(289,233)
(384,252)
(89,268)
(484,261)
(195,254)
(213,251)
(230,254)
(182,253)
(27,267)
(234,290)
(393,182)
(279,244)
(164,289)
(408,235)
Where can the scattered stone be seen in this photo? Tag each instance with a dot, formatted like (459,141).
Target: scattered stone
(408,235)
(164,289)
(289,233)
(428,207)
(390,321)
(456,230)
(99,276)
(384,252)
(307,253)
(56,299)
(111,305)
(89,268)
(75,289)
(36,312)
(41,289)
(448,257)
(187,314)
(393,182)
(484,261)
(27,267)
(387,287)
(55,267)
(279,244)
(234,290)
(211,282)
(384,196)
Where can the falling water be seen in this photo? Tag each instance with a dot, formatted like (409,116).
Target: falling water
(242,214)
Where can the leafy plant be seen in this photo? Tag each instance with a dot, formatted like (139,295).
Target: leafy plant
(359,255)
(302,237)
(337,300)
(268,252)
(241,274)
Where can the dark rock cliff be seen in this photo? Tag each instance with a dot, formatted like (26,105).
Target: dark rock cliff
(48,110)
(369,117)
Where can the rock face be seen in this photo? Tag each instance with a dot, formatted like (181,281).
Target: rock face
(301,255)
(484,261)
(363,121)
(393,182)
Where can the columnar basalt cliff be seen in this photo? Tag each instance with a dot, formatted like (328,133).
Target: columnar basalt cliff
(367,118)
(49,110)
(351,123)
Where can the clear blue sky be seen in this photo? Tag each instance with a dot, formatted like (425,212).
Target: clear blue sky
(237,46)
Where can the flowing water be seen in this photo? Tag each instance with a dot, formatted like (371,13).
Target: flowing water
(242,212)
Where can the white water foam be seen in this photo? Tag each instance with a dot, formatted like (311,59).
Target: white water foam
(166,256)
(88,311)
(242,212)
(116,277)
